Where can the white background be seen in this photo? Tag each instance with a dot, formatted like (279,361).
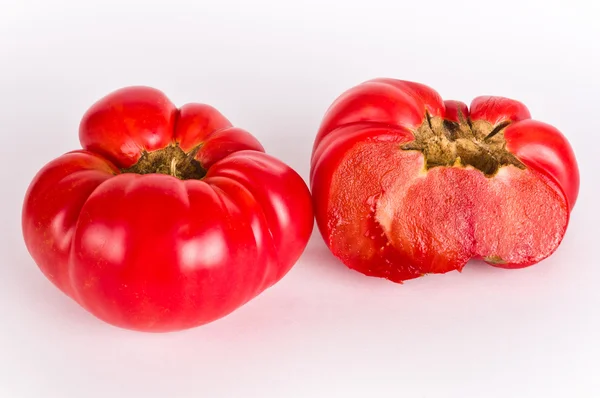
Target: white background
(273,67)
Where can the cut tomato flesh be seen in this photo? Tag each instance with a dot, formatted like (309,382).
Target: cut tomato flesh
(390,217)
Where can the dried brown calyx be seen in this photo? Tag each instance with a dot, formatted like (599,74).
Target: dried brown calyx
(478,144)
(171,160)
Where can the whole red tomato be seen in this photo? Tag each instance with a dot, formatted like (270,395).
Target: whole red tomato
(405,184)
(168,218)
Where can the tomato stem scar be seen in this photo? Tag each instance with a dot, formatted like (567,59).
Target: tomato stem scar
(171,160)
(447,143)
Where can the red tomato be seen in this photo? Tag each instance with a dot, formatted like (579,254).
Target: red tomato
(405,184)
(168,218)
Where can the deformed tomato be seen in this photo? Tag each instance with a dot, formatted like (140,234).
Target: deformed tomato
(405,184)
(168,218)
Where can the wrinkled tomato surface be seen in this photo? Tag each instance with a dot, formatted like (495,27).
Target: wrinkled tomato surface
(167,218)
(406,184)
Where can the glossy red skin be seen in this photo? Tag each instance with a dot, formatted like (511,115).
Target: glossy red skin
(152,252)
(388,110)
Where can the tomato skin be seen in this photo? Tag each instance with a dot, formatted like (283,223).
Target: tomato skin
(389,110)
(544,148)
(537,144)
(152,252)
(125,122)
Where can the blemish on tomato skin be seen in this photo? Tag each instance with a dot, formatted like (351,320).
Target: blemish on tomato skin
(494,260)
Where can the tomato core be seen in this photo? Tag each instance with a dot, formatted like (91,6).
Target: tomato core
(171,160)
(464,143)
